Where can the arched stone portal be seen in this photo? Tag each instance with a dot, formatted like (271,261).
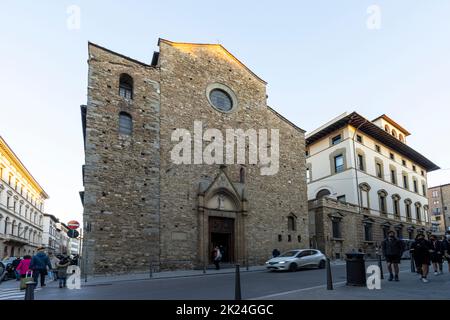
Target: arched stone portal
(221,214)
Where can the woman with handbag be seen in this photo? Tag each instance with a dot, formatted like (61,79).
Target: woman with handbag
(22,269)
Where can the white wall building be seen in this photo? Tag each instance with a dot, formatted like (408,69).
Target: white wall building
(369,164)
(21,206)
(49,238)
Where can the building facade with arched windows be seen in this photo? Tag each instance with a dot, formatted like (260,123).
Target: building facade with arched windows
(21,206)
(140,208)
(364,180)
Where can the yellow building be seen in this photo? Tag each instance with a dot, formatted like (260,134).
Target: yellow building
(21,206)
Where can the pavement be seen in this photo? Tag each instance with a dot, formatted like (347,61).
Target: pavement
(256,283)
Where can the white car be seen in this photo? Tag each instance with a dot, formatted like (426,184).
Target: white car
(294,259)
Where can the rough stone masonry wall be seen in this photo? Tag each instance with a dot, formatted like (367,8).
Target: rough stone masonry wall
(185,74)
(121,202)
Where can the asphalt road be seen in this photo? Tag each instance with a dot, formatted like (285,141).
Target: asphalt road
(255,285)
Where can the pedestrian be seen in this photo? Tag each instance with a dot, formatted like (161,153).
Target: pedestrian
(422,252)
(446,249)
(275,253)
(436,254)
(14,265)
(39,264)
(61,270)
(24,266)
(217,257)
(53,261)
(392,251)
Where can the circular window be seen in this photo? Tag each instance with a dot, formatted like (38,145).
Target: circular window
(221,100)
(221,97)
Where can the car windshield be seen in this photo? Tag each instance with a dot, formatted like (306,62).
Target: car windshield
(289,254)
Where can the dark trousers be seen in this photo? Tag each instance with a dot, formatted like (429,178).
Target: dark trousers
(62,282)
(216,263)
(41,274)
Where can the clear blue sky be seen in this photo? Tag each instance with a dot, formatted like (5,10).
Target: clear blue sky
(319,59)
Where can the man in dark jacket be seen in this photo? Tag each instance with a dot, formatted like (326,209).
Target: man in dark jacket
(392,251)
(421,249)
(39,264)
(436,254)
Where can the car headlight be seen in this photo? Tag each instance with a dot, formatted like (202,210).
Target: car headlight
(281,262)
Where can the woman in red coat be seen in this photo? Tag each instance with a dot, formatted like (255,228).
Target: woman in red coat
(24,266)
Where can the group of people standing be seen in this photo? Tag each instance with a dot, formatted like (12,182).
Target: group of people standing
(42,265)
(423,252)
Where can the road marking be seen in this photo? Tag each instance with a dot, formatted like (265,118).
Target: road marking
(298,290)
(14,294)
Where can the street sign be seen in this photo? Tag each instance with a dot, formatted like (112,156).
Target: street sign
(73,225)
(73,233)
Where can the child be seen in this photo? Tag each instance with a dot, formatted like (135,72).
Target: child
(61,268)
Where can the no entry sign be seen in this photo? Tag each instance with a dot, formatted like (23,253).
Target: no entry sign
(73,225)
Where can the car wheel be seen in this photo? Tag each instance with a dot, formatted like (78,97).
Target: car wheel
(293,267)
(321,264)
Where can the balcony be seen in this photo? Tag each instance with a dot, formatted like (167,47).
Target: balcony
(10,239)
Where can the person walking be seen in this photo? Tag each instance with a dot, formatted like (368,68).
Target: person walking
(422,251)
(275,253)
(53,261)
(14,265)
(392,251)
(24,266)
(436,254)
(39,264)
(217,257)
(446,249)
(61,270)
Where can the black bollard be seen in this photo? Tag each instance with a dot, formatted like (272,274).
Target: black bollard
(329,277)
(29,291)
(246,260)
(237,289)
(204,267)
(413,265)
(380,265)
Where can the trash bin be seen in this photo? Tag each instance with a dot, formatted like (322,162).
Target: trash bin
(356,269)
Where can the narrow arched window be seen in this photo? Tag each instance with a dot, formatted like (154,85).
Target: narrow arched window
(242,175)
(394,133)
(386,128)
(126,86)
(125,124)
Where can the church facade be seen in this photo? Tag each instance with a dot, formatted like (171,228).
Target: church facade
(150,203)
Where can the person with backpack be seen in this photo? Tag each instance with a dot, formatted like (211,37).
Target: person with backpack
(39,264)
(61,269)
(392,250)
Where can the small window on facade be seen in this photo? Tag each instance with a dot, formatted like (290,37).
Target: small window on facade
(414,168)
(307,153)
(424,190)
(405,181)
(416,189)
(408,210)
(391,155)
(404,162)
(337,139)
(368,232)
(336,228)
(394,133)
(125,124)
(280,238)
(435,194)
(359,138)
(393,176)
(377,148)
(418,217)
(299,238)
(126,86)
(361,162)
(339,163)
(379,170)
(291,223)
(396,207)
(422,173)
(382,202)
(289,238)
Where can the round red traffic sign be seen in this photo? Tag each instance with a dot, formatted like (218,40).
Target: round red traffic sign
(72,225)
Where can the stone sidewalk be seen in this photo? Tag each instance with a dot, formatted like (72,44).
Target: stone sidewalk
(410,287)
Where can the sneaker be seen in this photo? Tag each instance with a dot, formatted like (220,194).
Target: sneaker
(391,277)
(60,286)
(424,280)
(396,278)
(435,273)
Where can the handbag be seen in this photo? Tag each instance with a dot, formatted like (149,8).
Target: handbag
(23,281)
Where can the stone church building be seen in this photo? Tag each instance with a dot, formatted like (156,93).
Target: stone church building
(141,208)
